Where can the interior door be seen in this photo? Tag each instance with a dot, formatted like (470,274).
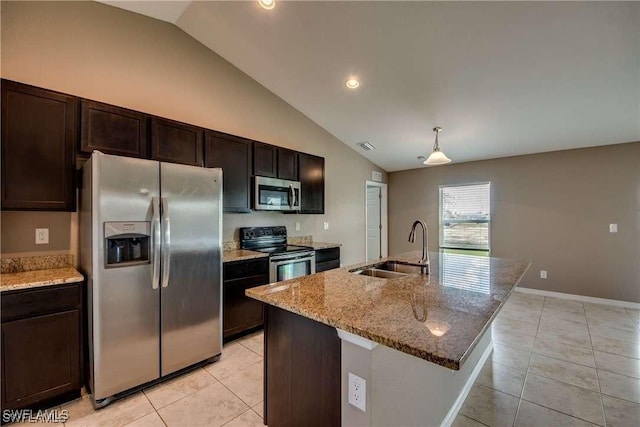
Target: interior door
(191,281)
(374,245)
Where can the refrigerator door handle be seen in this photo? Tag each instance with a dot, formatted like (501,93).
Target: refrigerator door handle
(166,247)
(155,232)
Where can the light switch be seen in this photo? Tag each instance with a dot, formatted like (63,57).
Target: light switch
(297,226)
(613,228)
(326,225)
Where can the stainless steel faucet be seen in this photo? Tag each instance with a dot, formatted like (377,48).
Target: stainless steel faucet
(425,242)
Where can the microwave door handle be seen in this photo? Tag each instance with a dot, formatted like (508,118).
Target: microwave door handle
(166,248)
(155,236)
(293,197)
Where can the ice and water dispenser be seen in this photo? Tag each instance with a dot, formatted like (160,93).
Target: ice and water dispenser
(127,243)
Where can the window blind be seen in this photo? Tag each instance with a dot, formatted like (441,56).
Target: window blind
(465,216)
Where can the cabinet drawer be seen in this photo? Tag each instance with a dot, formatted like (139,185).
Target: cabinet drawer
(240,269)
(30,302)
(327,265)
(330,254)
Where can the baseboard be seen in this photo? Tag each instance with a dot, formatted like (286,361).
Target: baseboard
(455,408)
(604,301)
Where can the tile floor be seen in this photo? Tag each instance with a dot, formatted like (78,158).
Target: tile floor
(558,363)
(555,363)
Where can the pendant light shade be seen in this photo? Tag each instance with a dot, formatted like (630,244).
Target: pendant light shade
(437,157)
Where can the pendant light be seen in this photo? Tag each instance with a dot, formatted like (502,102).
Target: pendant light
(437,157)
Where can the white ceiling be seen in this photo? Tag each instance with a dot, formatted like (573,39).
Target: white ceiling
(500,78)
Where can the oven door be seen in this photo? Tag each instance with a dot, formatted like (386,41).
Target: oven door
(272,194)
(291,266)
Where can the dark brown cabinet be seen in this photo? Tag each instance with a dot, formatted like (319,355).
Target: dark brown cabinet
(327,259)
(41,346)
(241,313)
(264,160)
(113,130)
(39,131)
(311,174)
(287,164)
(176,142)
(233,155)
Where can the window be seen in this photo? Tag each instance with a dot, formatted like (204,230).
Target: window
(465,216)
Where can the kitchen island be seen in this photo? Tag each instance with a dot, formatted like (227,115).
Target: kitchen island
(416,340)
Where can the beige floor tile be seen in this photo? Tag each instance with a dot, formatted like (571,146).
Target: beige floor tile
(569,353)
(247,384)
(619,364)
(621,413)
(532,415)
(510,356)
(556,313)
(502,378)
(116,414)
(259,409)
(615,346)
(211,406)
(235,356)
(632,337)
(254,342)
(590,307)
(248,419)
(149,420)
(577,338)
(516,326)
(620,386)
(634,314)
(521,314)
(526,298)
(567,372)
(490,407)
(567,325)
(522,342)
(462,421)
(169,391)
(564,304)
(624,324)
(571,400)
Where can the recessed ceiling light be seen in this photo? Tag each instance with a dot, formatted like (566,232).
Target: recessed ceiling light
(352,83)
(267,4)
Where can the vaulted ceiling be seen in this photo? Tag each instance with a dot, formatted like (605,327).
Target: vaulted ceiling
(500,78)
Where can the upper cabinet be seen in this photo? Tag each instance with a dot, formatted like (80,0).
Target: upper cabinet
(264,160)
(233,155)
(176,142)
(311,174)
(39,131)
(287,164)
(113,130)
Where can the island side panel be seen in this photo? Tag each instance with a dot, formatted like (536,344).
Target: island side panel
(302,371)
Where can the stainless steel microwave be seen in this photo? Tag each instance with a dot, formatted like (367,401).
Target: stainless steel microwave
(271,194)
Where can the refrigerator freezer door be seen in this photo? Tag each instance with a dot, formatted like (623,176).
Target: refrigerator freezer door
(124,312)
(191,284)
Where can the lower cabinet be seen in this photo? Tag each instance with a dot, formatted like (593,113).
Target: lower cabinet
(327,259)
(41,346)
(241,313)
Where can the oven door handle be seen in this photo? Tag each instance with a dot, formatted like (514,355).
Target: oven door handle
(288,260)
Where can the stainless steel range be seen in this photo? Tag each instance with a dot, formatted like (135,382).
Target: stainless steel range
(285,261)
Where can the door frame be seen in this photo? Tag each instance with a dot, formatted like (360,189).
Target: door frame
(384,220)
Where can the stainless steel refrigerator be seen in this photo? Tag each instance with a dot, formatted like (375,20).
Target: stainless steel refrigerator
(151,249)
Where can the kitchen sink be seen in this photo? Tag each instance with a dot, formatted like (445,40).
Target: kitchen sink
(391,269)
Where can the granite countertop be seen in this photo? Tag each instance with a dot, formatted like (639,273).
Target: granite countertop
(39,278)
(241,255)
(321,245)
(437,317)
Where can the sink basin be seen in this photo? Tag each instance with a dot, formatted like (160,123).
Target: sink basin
(391,270)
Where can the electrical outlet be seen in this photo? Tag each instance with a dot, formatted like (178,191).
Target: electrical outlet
(297,226)
(613,228)
(42,236)
(358,392)
(543,274)
(326,225)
